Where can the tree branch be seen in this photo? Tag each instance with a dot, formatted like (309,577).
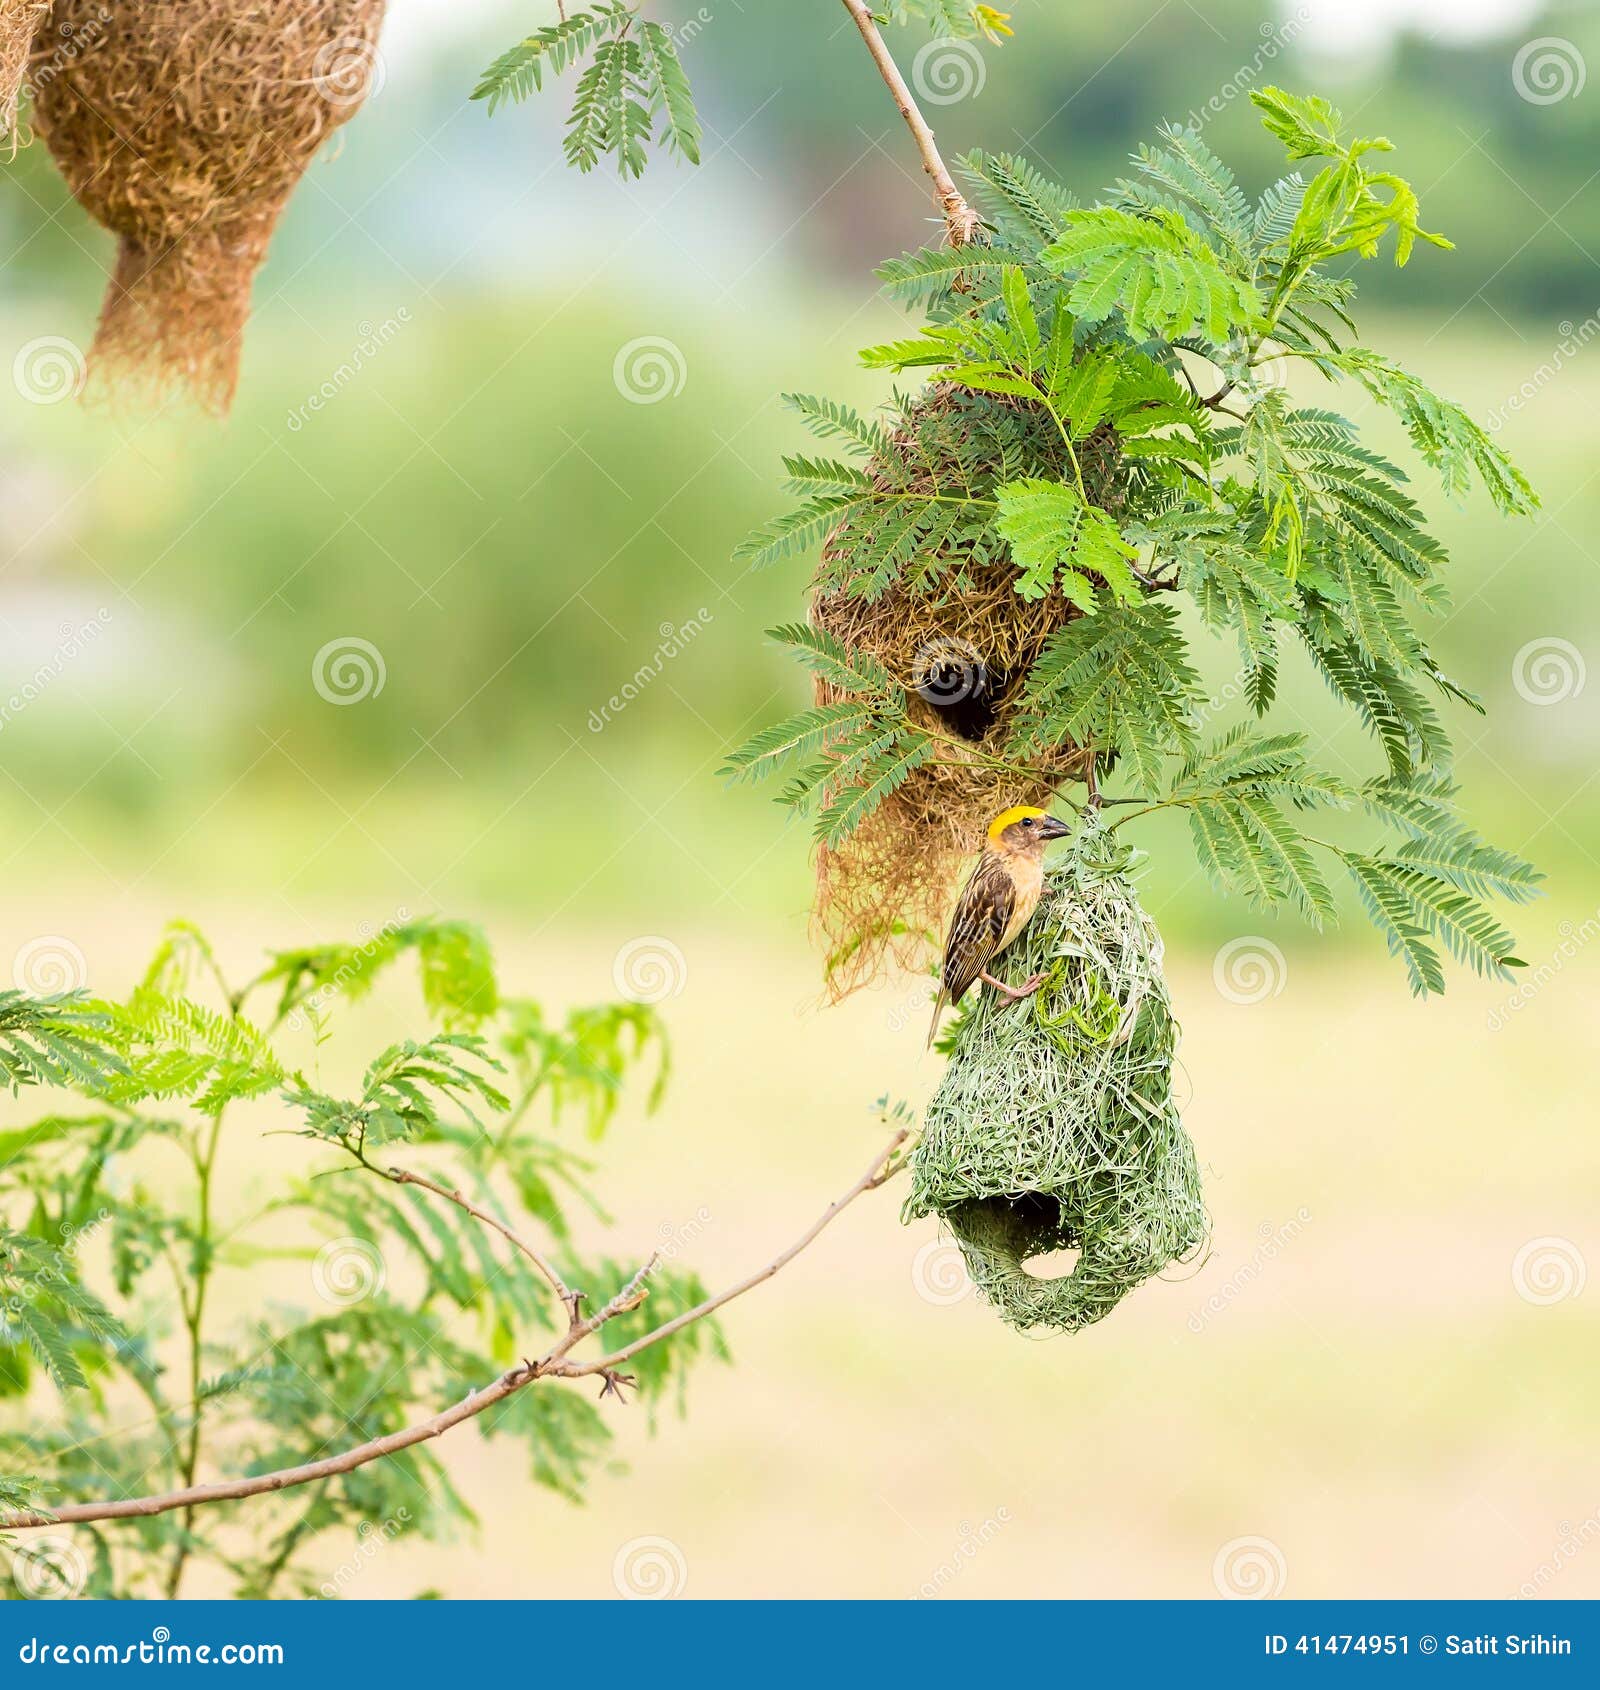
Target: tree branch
(402,1176)
(960,220)
(552,1365)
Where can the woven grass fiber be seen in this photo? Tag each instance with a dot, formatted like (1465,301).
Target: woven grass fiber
(962,650)
(18,20)
(1054,1126)
(184,130)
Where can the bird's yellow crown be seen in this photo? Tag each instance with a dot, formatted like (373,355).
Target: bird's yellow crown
(1017,813)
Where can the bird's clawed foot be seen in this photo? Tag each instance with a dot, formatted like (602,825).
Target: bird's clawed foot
(614,1383)
(1015,993)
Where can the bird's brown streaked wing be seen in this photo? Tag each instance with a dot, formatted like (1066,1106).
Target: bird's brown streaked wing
(978,925)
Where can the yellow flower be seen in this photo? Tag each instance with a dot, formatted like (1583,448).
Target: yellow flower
(993,23)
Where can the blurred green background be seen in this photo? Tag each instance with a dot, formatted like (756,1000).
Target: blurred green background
(512,539)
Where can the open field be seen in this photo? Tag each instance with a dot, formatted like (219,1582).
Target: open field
(1352,1375)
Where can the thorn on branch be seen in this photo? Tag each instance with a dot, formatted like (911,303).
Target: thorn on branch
(614,1383)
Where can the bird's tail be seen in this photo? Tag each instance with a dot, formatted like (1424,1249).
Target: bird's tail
(938,1010)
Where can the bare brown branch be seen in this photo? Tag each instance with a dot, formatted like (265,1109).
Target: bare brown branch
(402,1176)
(552,1365)
(960,220)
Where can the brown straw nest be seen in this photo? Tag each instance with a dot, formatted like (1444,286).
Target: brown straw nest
(18,20)
(183,126)
(962,649)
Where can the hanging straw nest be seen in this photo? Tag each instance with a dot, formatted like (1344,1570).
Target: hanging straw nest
(184,128)
(18,20)
(962,649)
(1054,1126)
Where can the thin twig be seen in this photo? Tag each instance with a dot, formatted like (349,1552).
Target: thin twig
(402,1176)
(960,220)
(551,1365)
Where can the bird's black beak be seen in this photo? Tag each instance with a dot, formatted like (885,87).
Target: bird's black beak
(1051,828)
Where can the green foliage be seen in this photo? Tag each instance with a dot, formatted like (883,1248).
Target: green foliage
(633,91)
(1106,417)
(396,1301)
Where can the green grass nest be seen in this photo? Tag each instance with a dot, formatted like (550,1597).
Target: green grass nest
(1054,1126)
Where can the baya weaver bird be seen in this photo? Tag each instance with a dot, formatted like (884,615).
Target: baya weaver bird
(996,903)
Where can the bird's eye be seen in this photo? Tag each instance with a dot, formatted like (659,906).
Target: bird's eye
(1027,821)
